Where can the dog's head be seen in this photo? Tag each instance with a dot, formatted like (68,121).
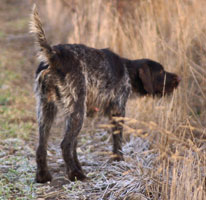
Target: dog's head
(152,79)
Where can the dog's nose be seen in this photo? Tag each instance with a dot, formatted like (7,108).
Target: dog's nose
(178,78)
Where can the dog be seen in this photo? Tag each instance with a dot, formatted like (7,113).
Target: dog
(81,80)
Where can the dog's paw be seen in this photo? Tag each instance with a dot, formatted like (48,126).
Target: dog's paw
(43,176)
(76,175)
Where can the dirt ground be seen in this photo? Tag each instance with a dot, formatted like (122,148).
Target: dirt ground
(19,137)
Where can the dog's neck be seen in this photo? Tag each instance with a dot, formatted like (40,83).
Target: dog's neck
(133,70)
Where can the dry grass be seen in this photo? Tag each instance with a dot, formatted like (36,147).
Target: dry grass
(173,33)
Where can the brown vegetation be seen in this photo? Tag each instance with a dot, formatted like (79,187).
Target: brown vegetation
(173,33)
(165,138)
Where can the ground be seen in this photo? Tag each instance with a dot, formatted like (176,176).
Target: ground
(19,136)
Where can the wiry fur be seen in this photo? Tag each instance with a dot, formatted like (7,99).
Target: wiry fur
(45,51)
(78,79)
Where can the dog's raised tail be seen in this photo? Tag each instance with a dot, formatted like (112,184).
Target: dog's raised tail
(45,50)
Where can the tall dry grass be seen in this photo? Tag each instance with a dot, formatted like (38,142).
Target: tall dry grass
(172,32)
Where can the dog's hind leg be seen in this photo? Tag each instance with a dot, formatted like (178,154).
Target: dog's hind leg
(74,116)
(74,124)
(46,112)
(75,156)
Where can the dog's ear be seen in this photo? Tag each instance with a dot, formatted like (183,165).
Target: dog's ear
(146,78)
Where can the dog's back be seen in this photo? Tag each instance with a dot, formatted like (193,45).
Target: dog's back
(104,73)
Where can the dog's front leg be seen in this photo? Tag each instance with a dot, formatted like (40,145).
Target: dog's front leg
(117,137)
